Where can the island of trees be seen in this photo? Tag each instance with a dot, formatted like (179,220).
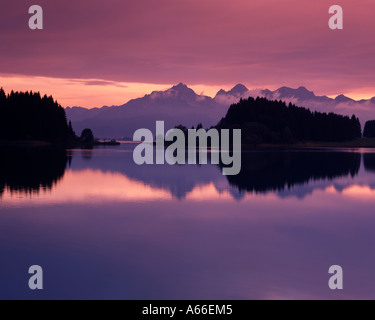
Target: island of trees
(274,122)
(369,130)
(29,117)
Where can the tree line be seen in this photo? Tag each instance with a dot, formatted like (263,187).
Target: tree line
(369,130)
(266,121)
(29,116)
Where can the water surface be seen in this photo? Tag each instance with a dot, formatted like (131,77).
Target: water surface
(104,228)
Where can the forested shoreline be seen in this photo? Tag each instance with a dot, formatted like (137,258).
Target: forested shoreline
(275,122)
(27,116)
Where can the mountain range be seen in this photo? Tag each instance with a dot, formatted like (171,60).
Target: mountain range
(181,105)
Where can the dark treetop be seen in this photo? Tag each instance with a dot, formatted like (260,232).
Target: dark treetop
(28,116)
(369,131)
(265,121)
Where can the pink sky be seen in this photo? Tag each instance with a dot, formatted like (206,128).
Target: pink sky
(95,52)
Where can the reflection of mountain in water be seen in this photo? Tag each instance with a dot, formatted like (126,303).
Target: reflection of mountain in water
(179,180)
(30,169)
(261,172)
(278,171)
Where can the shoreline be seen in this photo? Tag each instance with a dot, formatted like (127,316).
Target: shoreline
(25,143)
(36,143)
(354,144)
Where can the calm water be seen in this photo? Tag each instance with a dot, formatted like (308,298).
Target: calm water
(102,227)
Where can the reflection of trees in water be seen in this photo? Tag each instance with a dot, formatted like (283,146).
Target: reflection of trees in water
(86,154)
(369,161)
(277,171)
(261,172)
(30,169)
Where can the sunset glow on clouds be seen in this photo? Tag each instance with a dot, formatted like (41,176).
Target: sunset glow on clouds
(80,92)
(107,52)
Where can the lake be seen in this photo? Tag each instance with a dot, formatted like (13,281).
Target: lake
(102,227)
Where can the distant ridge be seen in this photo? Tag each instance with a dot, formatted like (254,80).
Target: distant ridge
(238,91)
(181,105)
(342,98)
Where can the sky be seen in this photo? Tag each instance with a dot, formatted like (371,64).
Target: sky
(95,53)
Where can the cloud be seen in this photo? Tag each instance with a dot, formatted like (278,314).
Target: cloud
(100,83)
(263,43)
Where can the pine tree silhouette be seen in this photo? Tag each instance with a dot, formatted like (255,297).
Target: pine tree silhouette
(262,120)
(28,116)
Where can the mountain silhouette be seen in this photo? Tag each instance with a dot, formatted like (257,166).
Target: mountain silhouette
(238,91)
(176,105)
(181,105)
(301,93)
(342,98)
